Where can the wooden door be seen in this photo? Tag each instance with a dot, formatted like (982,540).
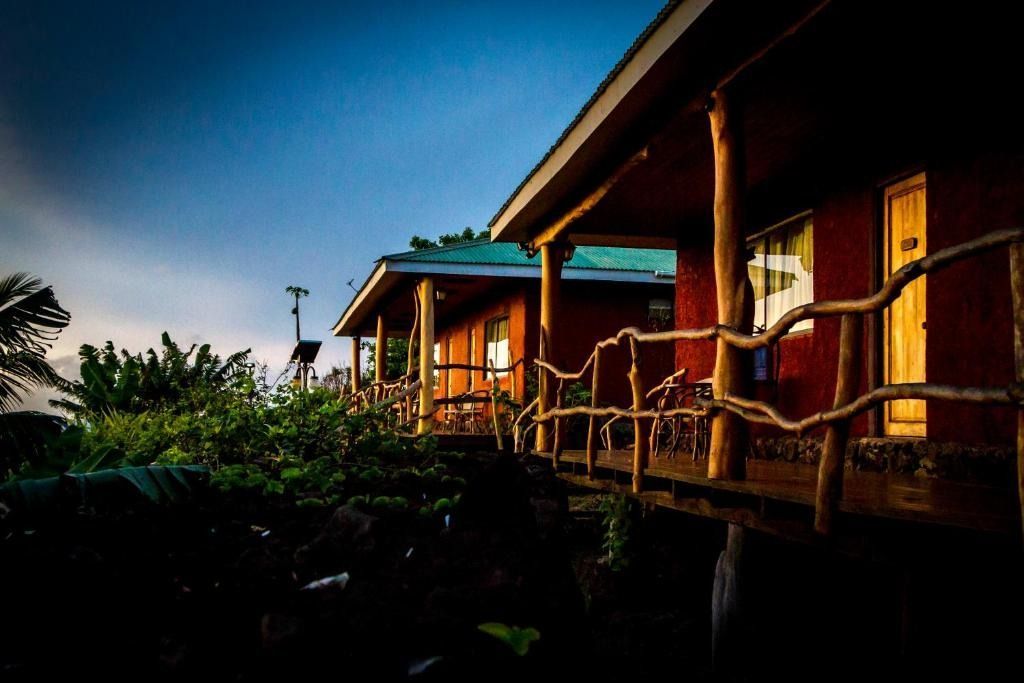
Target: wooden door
(905,224)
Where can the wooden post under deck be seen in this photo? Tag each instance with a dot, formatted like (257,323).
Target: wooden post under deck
(426,292)
(1017,288)
(552,256)
(730,434)
(356,379)
(381,352)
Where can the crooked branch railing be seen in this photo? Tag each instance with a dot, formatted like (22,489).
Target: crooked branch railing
(847,403)
(400,394)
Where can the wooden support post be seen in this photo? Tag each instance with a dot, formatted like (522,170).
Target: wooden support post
(594,426)
(381,352)
(426,421)
(730,435)
(833,452)
(356,366)
(1017,287)
(640,435)
(559,444)
(552,256)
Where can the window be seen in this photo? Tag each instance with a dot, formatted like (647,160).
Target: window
(437,361)
(781,269)
(659,314)
(496,333)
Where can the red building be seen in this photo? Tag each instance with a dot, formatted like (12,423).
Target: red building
(864,140)
(486,310)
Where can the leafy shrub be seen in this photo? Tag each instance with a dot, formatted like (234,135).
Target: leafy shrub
(618,526)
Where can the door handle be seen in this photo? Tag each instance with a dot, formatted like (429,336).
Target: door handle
(924,324)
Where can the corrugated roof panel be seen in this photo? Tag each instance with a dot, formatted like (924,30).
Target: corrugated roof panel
(485,252)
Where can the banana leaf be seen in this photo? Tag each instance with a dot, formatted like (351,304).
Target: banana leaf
(156,483)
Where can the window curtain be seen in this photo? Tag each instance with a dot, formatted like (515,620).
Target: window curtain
(497,344)
(781,270)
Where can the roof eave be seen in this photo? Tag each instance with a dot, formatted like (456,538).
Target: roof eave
(638,62)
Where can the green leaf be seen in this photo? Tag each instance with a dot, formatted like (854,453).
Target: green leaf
(290,473)
(518,639)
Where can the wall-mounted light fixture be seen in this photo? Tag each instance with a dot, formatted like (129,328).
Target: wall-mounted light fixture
(441,294)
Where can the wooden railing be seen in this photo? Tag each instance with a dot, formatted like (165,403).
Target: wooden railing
(846,405)
(400,394)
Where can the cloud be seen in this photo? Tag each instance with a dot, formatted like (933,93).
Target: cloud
(130,295)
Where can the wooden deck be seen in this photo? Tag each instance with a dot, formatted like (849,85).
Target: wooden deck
(682,484)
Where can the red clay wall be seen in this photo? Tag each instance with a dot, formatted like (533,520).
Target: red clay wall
(968,306)
(511,303)
(970,336)
(594,311)
(590,312)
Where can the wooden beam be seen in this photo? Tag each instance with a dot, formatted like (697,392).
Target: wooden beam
(356,379)
(833,451)
(426,414)
(1017,288)
(558,230)
(552,257)
(381,352)
(730,434)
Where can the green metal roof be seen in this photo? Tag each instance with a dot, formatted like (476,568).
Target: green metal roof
(485,252)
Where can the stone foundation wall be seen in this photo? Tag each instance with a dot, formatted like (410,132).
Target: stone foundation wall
(993,465)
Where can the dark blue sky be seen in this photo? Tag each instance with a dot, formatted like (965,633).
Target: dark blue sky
(175,165)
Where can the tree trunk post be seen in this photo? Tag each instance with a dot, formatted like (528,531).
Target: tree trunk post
(559,442)
(595,401)
(426,421)
(495,391)
(640,436)
(411,353)
(833,452)
(730,434)
(552,256)
(356,379)
(1017,287)
(381,352)
(728,631)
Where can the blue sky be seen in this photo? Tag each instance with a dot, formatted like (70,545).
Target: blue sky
(175,165)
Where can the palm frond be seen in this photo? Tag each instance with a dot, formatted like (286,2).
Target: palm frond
(30,315)
(20,372)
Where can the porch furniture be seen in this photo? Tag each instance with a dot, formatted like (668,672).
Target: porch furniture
(463,414)
(670,432)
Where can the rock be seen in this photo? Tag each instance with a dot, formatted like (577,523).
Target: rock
(350,534)
(277,630)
